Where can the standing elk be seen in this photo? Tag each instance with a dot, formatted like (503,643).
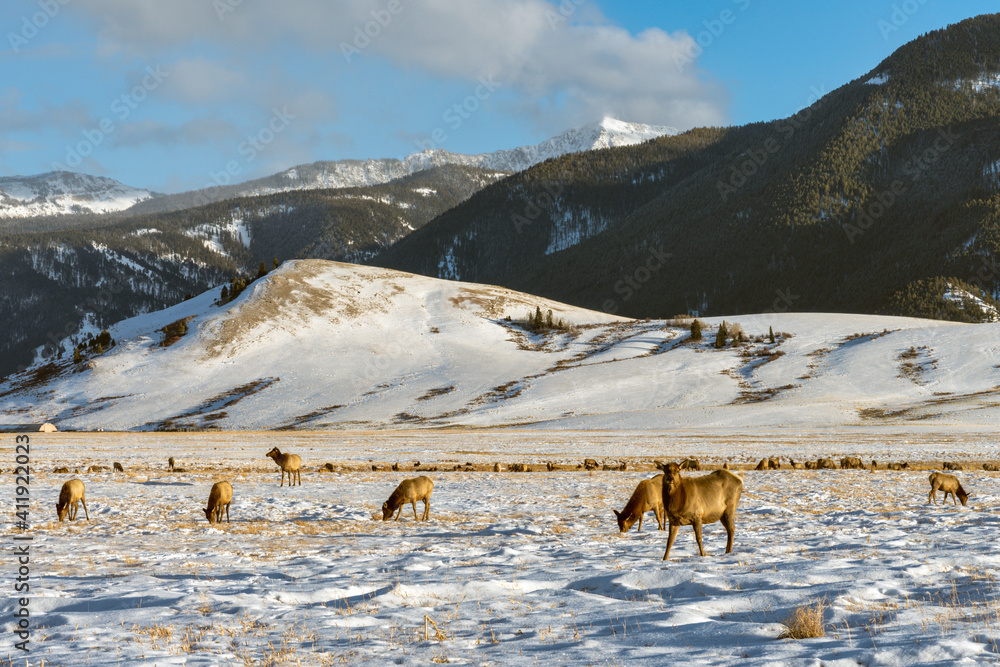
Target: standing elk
(699,500)
(219,499)
(409,491)
(648,495)
(71,494)
(949,484)
(289,463)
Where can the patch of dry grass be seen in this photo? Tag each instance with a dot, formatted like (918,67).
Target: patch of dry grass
(805,622)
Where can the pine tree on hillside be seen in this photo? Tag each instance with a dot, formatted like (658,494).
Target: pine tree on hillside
(274,262)
(770,334)
(696,329)
(262,270)
(720,337)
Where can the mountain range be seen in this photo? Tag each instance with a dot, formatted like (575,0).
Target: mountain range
(881,196)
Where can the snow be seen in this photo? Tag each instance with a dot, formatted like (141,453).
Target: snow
(877,80)
(511,568)
(361,347)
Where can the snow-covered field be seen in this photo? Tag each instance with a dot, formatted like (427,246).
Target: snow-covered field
(512,568)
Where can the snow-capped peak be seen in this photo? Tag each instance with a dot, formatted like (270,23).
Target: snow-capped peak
(63,192)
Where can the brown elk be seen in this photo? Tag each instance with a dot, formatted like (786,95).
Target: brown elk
(290,464)
(949,484)
(851,463)
(699,500)
(219,499)
(71,494)
(409,491)
(648,495)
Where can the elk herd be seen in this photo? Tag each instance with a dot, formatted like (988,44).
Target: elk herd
(675,500)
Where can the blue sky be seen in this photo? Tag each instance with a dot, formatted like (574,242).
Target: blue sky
(182,94)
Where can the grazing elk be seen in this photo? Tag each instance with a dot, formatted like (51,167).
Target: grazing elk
(825,464)
(948,465)
(170,463)
(71,494)
(118,467)
(690,464)
(409,491)
(851,463)
(949,484)
(699,500)
(218,501)
(290,464)
(648,495)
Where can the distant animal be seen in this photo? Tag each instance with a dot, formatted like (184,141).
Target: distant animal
(825,464)
(948,465)
(690,464)
(118,467)
(851,463)
(409,491)
(170,463)
(290,464)
(696,501)
(395,467)
(518,467)
(725,465)
(496,467)
(762,465)
(71,494)
(590,464)
(897,466)
(61,471)
(874,465)
(648,495)
(327,467)
(772,464)
(219,499)
(374,469)
(96,468)
(810,465)
(993,467)
(797,465)
(949,484)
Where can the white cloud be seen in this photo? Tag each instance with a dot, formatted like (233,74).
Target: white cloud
(561,70)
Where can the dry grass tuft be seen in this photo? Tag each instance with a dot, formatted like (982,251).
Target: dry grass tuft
(805,622)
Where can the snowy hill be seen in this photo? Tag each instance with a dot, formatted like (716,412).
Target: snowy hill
(319,344)
(364,173)
(63,192)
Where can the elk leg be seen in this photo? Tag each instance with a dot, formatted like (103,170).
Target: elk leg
(227,513)
(639,529)
(427,509)
(72,512)
(697,536)
(399,511)
(415,517)
(729,520)
(671,536)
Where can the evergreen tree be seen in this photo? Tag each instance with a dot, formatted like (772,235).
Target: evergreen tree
(224,295)
(720,337)
(262,270)
(548,319)
(770,334)
(274,262)
(77,357)
(696,329)
(537,324)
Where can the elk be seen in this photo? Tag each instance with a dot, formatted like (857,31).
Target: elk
(218,501)
(409,491)
(648,495)
(851,462)
(699,500)
(118,467)
(170,463)
(71,494)
(289,463)
(949,484)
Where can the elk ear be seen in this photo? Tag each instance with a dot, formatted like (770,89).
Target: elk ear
(618,514)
